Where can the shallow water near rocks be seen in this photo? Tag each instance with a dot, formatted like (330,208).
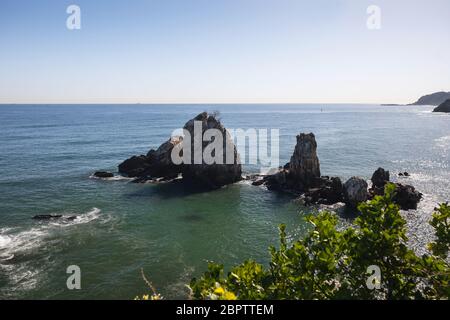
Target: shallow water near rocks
(48,154)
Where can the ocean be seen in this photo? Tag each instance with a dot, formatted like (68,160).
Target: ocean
(48,153)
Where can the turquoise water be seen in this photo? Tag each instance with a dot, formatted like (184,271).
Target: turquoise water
(49,152)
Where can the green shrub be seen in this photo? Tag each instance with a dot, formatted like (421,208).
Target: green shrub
(333,264)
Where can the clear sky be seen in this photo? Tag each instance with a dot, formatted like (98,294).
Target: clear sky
(223,51)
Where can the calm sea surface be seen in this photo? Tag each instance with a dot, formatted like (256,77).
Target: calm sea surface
(47,154)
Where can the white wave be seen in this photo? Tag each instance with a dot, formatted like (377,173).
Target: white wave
(13,242)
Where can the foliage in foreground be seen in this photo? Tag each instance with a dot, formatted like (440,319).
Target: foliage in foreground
(333,264)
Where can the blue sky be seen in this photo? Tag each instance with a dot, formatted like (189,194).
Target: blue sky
(223,51)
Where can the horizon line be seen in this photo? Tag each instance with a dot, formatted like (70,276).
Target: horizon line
(194,103)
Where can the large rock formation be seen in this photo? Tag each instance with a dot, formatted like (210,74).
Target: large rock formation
(355,191)
(224,170)
(304,167)
(443,107)
(158,164)
(301,175)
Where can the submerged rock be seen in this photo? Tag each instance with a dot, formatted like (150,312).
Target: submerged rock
(53,216)
(47,216)
(355,191)
(103,174)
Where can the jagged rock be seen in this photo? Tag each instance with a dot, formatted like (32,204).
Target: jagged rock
(406,197)
(304,167)
(277,181)
(160,160)
(379,178)
(103,174)
(443,107)
(216,174)
(355,191)
(158,165)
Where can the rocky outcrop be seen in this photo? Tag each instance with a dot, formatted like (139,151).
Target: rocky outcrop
(355,191)
(134,166)
(443,107)
(406,197)
(301,176)
(224,170)
(302,172)
(304,167)
(379,179)
(158,165)
(329,192)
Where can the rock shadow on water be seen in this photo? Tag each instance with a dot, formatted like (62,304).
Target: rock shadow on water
(174,189)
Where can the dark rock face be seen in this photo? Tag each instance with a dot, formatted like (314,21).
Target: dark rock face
(330,191)
(302,172)
(134,166)
(379,179)
(355,191)
(304,167)
(443,107)
(103,174)
(406,197)
(278,181)
(221,172)
(158,165)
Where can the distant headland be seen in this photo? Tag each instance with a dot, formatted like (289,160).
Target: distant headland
(433,99)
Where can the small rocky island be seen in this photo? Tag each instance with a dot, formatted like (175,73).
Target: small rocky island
(301,176)
(157,165)
(443,107)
